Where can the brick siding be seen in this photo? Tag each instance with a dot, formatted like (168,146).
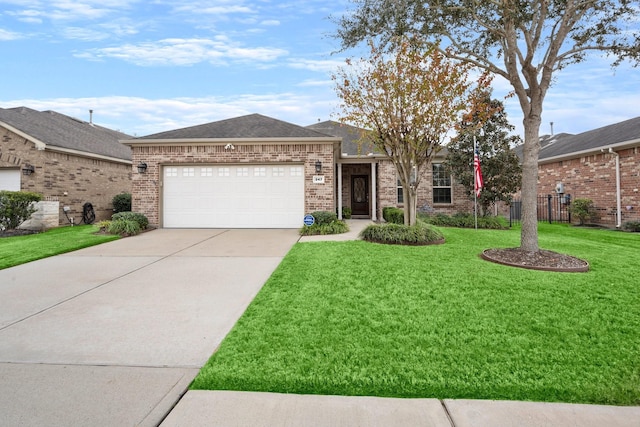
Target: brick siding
(146,195)
(594,177)
(388,193)
(83,179)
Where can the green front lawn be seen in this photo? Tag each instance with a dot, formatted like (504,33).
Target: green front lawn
(356,318)
(22,249)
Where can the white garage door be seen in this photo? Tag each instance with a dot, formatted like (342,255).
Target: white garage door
(239,196)
(10,179)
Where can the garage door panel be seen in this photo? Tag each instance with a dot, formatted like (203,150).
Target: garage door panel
(246,196)
(9,179)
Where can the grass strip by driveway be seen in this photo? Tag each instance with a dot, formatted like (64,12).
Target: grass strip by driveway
(355,318)
(22,249)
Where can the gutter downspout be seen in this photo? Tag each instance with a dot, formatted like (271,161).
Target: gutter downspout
(619,210)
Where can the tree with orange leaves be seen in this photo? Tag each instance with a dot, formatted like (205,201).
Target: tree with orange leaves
(411,99)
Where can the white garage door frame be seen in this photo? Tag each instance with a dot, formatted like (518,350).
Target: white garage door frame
(260,195)
(10,179)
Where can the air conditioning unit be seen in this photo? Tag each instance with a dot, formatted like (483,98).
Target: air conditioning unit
(560,188)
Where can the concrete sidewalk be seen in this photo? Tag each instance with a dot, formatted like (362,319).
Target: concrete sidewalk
(224,408)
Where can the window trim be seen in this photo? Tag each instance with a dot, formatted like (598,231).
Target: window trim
(440,166)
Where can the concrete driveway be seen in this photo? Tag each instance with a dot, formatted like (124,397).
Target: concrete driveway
(113,334)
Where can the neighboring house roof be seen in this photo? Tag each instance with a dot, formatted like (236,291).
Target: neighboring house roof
(544,140)
(252,126)
(618,135)
(48,129)
(353,138)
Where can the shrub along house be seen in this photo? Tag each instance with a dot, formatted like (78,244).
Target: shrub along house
(64,159)
(602,165)
(258,172)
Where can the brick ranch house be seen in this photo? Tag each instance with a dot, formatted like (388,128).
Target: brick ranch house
(601,164)
(258,172)
(67,160)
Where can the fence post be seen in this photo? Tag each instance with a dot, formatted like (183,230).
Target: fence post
(549,207)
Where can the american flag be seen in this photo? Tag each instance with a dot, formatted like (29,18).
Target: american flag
(478,183)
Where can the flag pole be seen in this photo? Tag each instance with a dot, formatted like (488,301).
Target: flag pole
(475,184)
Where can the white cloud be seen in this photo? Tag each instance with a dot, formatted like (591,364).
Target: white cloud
(6,35)
(184,52)
(216,7)
(83,34)
(30,16)
(327,66)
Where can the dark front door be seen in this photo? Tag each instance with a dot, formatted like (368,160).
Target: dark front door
(360,195)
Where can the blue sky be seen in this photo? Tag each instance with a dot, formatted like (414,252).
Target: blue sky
(155,65)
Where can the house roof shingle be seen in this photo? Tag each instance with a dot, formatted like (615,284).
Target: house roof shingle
(626,131)
(244,127)
(352,143)
(57,130)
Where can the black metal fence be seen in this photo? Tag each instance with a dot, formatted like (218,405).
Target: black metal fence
(551,208)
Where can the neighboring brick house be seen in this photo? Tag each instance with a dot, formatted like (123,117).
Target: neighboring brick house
(64,159)
(602,165)
(258,172)
(370,182)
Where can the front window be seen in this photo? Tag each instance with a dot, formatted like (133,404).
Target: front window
(400,190)
(441,184)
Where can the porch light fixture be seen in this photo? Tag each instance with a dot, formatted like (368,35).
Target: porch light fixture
(318,166)
(142,167)
(28,169)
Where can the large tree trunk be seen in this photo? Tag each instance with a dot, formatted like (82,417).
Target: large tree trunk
(413,207)
(529,232)
(410,205)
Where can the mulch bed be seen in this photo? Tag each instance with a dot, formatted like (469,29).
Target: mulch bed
(540,260)
(16,232)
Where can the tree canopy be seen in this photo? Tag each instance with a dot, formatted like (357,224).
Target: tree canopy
(501,169)
(525,42)
(410,98)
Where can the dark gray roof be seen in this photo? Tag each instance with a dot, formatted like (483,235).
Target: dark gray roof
(57,130)
(245,127)
(628,130)
(545,140)
(353,138)
(354,141)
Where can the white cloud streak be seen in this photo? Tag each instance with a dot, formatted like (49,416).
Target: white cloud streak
(183,52)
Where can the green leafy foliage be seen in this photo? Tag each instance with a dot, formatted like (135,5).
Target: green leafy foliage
(334,227)
(121,202)
(583,209)
(632,226)
(393,215)
(346,212)
(501,170)
(400,234)
(16,207)
(324,217)
(124,227)
(466,220)
(141,219)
